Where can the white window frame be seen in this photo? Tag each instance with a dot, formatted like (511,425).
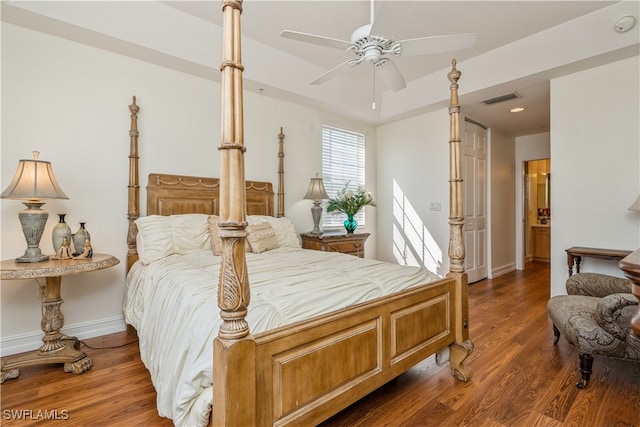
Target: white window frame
(343,161)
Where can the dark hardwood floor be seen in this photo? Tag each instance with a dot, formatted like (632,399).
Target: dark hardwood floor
(519,378)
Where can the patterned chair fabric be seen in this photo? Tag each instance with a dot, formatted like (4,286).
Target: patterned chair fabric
(595,317)
(597,285)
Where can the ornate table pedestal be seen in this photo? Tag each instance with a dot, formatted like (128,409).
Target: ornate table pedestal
(56,347)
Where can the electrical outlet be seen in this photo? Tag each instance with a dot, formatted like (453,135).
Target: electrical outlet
(434,206)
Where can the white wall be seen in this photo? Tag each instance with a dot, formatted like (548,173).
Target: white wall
(530,147)
(70,102)
(413,161)
(502,203)
(413,171)
(595,151)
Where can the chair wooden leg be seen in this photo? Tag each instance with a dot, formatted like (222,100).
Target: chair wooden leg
(556,335)
(586,362)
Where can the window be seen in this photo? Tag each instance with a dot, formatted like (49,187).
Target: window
(342,163)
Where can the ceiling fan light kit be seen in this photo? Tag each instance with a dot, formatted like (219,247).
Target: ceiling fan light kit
(372,44)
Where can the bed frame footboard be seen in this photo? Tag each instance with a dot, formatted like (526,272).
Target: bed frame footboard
(309,371)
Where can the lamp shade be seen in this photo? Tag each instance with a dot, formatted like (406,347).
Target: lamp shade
(34,180)
(636,205)
(316,190)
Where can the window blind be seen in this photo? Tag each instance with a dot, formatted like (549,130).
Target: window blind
(343,163)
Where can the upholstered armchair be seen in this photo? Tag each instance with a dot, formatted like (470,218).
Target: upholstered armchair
(595,317)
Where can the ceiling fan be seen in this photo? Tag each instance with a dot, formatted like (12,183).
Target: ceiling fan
(375,43)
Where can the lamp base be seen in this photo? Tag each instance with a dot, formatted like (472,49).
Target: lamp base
(33,220)
(316,213)
(32,255)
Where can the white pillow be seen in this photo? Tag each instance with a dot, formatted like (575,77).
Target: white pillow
(216,243)
(283,228)
(161,236)
(154,240)
(190,232)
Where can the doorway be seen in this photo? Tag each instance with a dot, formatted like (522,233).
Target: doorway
(537,210)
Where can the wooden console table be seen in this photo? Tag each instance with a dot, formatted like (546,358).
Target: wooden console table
(55,348)
(576,253)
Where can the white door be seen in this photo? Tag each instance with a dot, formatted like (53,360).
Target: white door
(474,145)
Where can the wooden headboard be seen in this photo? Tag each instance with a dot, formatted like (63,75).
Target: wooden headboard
(178,194)
(181,194)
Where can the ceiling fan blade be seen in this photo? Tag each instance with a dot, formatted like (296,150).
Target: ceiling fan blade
(336,71)
(391,76)
(388,18)
(436,44)
(317,40)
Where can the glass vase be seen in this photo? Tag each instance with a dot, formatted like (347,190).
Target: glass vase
(350,224)
(79,238)
(60,231)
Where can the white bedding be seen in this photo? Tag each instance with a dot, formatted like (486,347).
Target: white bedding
(172,303)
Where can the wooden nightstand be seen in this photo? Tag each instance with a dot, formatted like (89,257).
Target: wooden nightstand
(55,348)
(352,244)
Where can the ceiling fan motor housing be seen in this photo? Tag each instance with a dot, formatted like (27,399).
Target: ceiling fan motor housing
(369,46)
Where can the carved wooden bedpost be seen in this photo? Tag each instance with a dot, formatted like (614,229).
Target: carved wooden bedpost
(631,267)
(463,346)
(133,209)
(280,212)
(234,348)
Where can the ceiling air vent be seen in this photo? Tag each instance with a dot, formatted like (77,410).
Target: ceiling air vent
(505,97)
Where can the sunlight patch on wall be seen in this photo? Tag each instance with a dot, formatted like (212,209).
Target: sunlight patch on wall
(413,244)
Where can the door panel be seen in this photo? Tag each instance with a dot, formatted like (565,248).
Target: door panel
(474,147)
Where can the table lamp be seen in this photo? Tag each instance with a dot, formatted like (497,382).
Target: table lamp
(33,181)
(316,192)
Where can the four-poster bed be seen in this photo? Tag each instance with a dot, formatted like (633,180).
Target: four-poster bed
(314,362)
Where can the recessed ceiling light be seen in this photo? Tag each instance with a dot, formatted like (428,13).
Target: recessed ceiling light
(517,109)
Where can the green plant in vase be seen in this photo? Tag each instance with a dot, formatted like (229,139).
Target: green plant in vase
(350,202)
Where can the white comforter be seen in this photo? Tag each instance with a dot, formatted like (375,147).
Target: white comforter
(172,303)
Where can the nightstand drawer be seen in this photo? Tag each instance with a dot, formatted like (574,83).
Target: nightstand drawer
(351,244)
(349,247)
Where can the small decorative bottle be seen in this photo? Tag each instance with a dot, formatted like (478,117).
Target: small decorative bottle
(60,231)
(79,238)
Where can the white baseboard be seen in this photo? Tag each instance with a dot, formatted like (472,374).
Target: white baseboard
(508,268)
(33,340)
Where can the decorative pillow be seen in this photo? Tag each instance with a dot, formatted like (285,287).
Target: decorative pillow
(261,237)
(214,234)
(161,236)
(216,243)
(283,228)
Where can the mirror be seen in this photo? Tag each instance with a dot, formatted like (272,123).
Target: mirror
(540,172)
(544,191)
